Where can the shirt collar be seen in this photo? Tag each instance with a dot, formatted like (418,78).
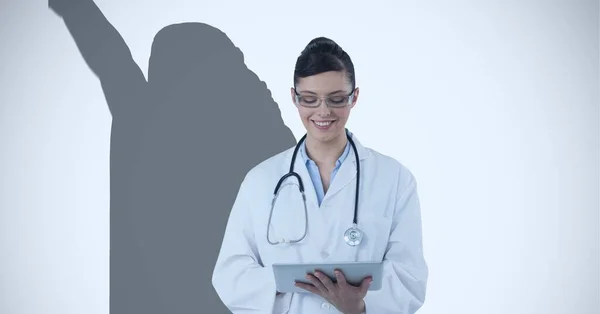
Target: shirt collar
(340,160)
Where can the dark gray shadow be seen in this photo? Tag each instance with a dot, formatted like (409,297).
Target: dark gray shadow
(181,144)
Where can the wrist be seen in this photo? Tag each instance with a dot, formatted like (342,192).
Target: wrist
(360,309)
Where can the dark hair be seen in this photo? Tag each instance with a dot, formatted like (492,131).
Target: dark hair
(323,55)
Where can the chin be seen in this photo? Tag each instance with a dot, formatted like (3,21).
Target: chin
(325,136)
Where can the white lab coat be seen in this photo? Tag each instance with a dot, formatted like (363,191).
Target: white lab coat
(388,214)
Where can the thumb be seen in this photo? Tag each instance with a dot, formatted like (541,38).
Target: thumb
(364,286)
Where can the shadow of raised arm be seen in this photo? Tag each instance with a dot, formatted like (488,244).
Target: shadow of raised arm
(104,51)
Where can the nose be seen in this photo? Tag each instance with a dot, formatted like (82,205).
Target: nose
(323,109)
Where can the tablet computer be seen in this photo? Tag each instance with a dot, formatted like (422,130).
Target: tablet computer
(286,275)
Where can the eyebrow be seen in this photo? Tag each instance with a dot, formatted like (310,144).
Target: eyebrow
(313,93)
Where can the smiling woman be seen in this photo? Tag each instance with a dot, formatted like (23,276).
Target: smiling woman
(326,221)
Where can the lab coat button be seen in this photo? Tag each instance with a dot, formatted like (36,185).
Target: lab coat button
(324,254)
(325,305)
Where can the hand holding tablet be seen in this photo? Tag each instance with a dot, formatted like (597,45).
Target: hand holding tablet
(342,284)
(288,276)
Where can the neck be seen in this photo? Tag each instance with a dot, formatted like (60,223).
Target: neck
(326,153)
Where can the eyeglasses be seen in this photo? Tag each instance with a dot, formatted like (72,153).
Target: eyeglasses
(332,101)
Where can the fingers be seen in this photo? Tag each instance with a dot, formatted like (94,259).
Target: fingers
(317,283)
(341,279)
(364,286)
(325,280)
(308,287)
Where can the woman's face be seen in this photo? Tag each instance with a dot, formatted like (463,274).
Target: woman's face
(322,122)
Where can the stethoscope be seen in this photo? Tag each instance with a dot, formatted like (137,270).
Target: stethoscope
(353,235)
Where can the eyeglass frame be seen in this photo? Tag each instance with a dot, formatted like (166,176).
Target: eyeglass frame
(320,100)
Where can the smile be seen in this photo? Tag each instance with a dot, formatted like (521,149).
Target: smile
(323,124)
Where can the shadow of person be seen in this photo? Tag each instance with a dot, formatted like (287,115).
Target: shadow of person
(181,143)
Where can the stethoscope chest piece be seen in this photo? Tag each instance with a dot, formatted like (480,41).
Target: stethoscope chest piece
(353,236)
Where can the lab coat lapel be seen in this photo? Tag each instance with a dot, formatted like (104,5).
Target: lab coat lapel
(347,172)
(300,169)
(317,227)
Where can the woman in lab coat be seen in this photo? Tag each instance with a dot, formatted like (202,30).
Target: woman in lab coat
(388,212)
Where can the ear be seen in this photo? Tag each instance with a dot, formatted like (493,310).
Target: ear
(355,98)
(293,95)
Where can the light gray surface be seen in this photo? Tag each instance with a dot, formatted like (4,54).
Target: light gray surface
(287,274)
(493,104)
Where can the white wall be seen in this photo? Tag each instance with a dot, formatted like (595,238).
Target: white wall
(493,105)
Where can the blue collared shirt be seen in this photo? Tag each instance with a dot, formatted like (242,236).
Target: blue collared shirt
(313,170)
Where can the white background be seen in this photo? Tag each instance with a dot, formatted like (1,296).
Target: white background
(492,104)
